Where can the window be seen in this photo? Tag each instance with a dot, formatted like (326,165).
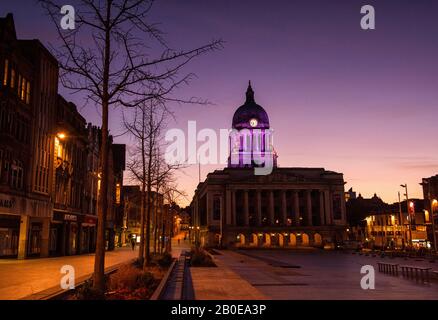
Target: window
(23,88)
(12,78)
(19,84)
(5,74)
(17,175)
(118,193)
(337,209)
(28,92)
(216,208)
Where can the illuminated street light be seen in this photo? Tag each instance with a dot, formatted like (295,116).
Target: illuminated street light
(61,135)
(405,186)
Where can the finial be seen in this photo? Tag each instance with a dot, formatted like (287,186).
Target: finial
(249,93)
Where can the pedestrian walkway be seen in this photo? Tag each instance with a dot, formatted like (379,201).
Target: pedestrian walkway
(222,283)
(21,278)
(180,246)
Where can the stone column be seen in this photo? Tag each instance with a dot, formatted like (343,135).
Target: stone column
(23,237)
(296,207)
(284,207)
(321,207)
(228,206)
(271,208)
(343,209)
(209,208)
(233,215)
(259,208)
(328,208)
(245,208)
(309,207)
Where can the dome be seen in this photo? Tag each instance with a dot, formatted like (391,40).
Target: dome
(249,111)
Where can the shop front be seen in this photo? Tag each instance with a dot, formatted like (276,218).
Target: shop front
(9,234)
(72,234)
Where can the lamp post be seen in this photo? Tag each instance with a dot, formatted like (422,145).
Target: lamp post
(431,202)
(405,186)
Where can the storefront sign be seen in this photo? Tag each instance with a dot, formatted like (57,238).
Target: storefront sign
(70,217)
(90,220)
(7,203)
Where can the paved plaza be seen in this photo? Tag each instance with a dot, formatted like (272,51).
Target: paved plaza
(316,274)
(21,278)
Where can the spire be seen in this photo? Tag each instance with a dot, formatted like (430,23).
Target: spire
(249,93)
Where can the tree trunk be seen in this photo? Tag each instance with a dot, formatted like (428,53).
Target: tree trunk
(99,261)
(143,189)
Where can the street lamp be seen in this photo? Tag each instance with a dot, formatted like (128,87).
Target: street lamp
(405,186)
(433,202)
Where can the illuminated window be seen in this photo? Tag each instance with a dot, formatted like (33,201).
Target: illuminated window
(118,193)
(12,78)
(23,88)
(28,93)
(19,85)
(17,175)
(5,75)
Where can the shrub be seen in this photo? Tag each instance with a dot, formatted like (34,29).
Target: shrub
(165,260)
(199,258)
(145,280)
(125,278)
(131,278)
(87,292)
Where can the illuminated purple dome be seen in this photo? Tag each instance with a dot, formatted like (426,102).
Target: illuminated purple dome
(250,115)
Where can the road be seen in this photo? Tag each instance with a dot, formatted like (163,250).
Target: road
(286,274)
(20,278)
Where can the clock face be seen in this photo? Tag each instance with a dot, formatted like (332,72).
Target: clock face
(253,122)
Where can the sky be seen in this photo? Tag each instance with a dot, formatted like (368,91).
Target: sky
(363,103)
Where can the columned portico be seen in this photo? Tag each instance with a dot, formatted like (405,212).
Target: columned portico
(296,201)
(309,207)
(271,208)
(321,208)
(283,207)
(246,207)
(258,207)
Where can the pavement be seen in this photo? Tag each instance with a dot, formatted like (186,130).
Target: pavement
(21,278)
(180,246)
(222,283)
(320,275)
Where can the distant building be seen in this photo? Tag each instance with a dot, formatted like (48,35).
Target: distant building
(288,207)
(350,194)
(132,212)
(393,229)
(430,195)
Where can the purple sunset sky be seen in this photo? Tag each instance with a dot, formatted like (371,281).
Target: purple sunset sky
(363,103)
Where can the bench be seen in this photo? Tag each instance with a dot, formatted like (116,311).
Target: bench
(388,268)
(417,273)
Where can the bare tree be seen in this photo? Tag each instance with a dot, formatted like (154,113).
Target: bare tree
(106,57)
(144,126)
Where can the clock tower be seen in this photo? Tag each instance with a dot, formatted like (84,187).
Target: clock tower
(251,137)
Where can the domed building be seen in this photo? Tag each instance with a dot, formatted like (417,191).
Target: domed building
(251,142)
(255,203)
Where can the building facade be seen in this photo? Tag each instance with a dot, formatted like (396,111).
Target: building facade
(288,207)
(430,195)
(392,230)
(28,98)
(49,159)
(132,213)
